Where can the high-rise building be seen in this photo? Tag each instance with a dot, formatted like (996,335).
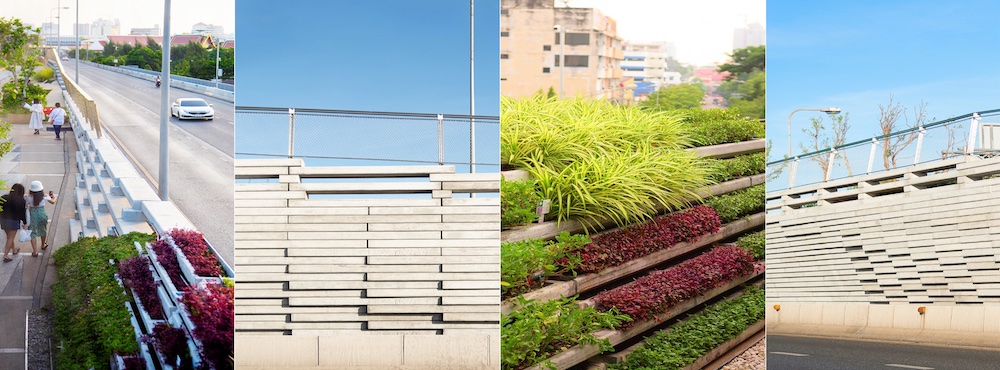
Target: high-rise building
(152,31)
(105,27)
(217,32)
(83,30)
(531,46)
(646,63)
(751,35)
(49,29)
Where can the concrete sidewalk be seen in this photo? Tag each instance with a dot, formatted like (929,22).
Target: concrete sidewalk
(25,282)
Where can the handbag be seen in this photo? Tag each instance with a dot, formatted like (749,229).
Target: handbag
(23,235)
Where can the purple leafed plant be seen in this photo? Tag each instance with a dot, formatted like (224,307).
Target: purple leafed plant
(192,244)
(167,259)
(211,311)
(622,245)
(653,294)
(137,276)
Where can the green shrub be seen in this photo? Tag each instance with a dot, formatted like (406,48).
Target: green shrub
(688,341)
(753,243)
(526,264)
(45,74)
(733,206)
(721,126)
(90,316)
(518,201)
(744,165)
(13,97)
(538,330)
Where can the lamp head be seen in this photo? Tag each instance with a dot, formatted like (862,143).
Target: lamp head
(831,110)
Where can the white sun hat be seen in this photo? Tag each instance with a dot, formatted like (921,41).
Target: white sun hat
(36,185)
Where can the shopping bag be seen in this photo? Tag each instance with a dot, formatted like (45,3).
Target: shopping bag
(23,235)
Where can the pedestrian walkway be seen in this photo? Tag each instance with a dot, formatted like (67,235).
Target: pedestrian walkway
(25,282)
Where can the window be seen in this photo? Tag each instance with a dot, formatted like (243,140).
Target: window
(577,61)
(504,33)
(546,47)
(504,12)
(504,56)
(575,38)
(557,60)
(545,70)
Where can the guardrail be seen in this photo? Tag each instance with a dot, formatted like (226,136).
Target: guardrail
(87,108)
(180,82)
(196,81)
(935,141)
(363,137)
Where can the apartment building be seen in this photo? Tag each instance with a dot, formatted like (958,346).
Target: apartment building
(646,64)
(534,56)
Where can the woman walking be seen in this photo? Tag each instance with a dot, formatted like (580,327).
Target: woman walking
(36,213)
(12,216)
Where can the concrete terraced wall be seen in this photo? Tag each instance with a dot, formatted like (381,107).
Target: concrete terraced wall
(858,257)
(366,283)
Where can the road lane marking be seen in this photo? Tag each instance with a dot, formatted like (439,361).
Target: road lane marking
(910,367)
(790,354)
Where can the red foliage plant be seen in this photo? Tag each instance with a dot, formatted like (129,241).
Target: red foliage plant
(652,294)
(137,276)
(211,311)
(134,362)
(167,259)
(192,244)
(622,245)
(171,342)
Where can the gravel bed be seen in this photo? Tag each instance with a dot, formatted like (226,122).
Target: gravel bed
(754,358)
(39,334)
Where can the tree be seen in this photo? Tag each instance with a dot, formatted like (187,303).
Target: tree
(888,118)
(18,49)
(685,70)
(820,140)
(745,62)
(676,97)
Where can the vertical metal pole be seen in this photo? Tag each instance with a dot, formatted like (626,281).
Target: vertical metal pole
(291,132)
(76,33)
(218,75)
(829,164)
(871,156)
(164,102)
(791,172)
(472,86)
(59,29)
(920,145)
(441,139)
(971,143)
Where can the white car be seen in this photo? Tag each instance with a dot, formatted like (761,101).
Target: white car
(188,108)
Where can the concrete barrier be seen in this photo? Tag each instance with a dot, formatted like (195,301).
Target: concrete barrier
(150,76)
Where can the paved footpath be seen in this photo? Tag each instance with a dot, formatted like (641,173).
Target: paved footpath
(25,283)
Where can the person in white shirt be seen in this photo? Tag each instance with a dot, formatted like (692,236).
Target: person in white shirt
(57,116)
(36,115)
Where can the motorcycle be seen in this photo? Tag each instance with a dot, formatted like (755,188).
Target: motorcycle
(157,83)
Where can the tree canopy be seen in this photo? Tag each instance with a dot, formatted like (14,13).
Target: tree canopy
(745,62)
(681,96)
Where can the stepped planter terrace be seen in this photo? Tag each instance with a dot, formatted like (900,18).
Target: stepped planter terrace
(637,205)
(117,298)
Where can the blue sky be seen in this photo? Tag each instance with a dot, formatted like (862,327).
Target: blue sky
(854,54)
(381,55)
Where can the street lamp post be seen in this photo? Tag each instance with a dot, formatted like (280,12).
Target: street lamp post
(562,56)
(830,111)
(76,34)
(165,101)
(218,73)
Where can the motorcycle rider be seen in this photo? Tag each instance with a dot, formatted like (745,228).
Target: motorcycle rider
(157,81)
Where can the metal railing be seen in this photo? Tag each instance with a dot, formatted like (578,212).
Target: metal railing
(339,137)
(931,142)
(196,81)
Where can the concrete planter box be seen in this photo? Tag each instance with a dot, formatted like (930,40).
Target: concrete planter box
(580,353)
(592,281)
(15,118)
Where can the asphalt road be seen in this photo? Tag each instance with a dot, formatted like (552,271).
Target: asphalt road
(804,353)
(201,163)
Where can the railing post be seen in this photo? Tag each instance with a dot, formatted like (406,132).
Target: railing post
(441,139)
(871,156)
(291,132)
(971,144)
(791,173)
(829,164)
(920,145)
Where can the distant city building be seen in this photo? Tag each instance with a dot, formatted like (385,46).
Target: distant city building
(105,27)
(155,30)
(133,40)
(710,77)
(83,30)
(530,47)
(646,63)
(49,29)
(215,31)
(751,35)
